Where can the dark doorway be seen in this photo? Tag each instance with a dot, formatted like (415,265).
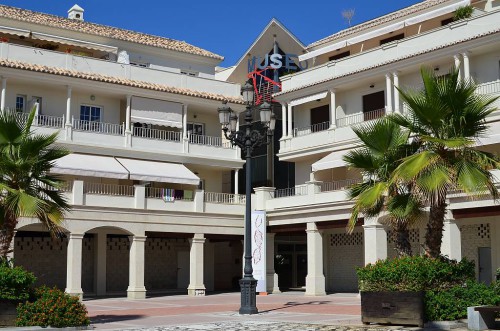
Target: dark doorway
(373,105)
(319,118)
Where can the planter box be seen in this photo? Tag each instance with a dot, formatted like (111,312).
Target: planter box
(393,308)
(8,313)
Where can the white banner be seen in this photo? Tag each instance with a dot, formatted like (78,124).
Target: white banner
(259,249)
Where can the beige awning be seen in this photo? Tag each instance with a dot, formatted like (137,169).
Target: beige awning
(156,112)
(90,166)
(331,161)
(74,42)
(159,171)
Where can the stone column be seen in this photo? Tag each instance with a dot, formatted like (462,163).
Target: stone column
(196,286)
(451,244)
(315,280)
(375,240)
(4,91)
(78,197)
(289,121)
(184,121)
(262,194)
(456,59)
(128,130)
(395,76)
(140,196)
(333,109)
(100,262)
(271,276)
(136,289)
(74,265)
(68,105)
(283,120)
(236,181)
(388,94)
(465,56)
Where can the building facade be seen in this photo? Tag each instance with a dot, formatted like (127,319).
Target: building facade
(150,177)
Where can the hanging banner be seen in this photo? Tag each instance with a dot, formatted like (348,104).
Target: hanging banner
(259,249)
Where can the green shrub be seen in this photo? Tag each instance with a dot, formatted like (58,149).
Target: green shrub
(53,308)
(16,284)
(452,304)
(414,273)
(496,284)
(463,12)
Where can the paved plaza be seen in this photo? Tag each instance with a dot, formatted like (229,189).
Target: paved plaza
(286,311)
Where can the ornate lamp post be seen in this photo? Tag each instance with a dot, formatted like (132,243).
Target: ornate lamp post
(247,140)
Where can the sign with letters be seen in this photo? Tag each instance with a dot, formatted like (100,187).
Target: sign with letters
(276,61)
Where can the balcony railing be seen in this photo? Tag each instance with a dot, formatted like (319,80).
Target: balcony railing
(291,191)
(109,189)
(209,141)
(157,134)
(99,127)
(297,132)
(360,117)
(338,185)
(489,88)
(169,194)
(224,198)
(42,120)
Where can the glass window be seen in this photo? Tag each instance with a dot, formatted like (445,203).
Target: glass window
(20,103)
(196,128)
(90,113)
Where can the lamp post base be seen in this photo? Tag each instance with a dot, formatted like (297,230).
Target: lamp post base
(248,296)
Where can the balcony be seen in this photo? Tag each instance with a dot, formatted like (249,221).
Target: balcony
(428,41)
(125,71)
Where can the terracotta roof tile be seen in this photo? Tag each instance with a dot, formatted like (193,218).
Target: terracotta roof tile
(29,16)
(388,62)
(116,80)
(378,21)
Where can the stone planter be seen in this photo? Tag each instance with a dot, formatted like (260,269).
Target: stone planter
(405,308)
(8,313)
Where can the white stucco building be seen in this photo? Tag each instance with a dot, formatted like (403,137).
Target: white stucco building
(139,113)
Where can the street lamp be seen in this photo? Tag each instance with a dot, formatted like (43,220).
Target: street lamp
(248,140)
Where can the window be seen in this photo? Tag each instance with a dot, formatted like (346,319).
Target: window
(339,56)
(374,105)
(189,73)
(388,40)
(90,113)
(196,128)
(20,103)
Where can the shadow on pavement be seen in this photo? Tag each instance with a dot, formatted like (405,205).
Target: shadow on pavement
(101,319)
(295,304)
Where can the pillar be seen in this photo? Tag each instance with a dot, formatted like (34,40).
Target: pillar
(375,240)
(77,194)
(100,263)
(283,120)
(74,265)
(184,121)
(128,132)
(451,244)
(289,121)
(315,280)
(456,58)
(136,289)
(395,76)
(333,110)
(236,179)
(140,196)
(465,56)
(388,92)
(4,91)
(68,106)
(196,286)
(271,276)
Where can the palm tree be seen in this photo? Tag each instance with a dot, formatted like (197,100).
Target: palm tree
(447,117)
(26,188)
(385,144)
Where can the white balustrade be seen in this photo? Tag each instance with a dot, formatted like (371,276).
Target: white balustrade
(156,134)
(297,132)
(41,120)
(209,141)
(291,191)
(338,185)
(224,198)
(109,189)
(360,117)
(161,193)
(489,87)
(98,127)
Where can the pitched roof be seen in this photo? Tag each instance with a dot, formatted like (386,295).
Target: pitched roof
(378,21)
(116,80)
(29,16)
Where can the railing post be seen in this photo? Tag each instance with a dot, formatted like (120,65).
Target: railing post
(199,201)
(78,195)
(313,187)
(262,194)
(140,196)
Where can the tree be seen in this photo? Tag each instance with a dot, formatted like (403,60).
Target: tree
(26,188)
(447,117)
(385,145)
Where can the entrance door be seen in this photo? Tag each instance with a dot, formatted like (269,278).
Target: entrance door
(485,264)
(183,269)
(373,105)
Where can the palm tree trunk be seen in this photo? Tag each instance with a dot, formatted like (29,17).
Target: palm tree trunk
(402,240)
(434,234)
(7,234)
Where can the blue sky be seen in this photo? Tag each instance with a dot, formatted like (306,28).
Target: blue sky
(226,27)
